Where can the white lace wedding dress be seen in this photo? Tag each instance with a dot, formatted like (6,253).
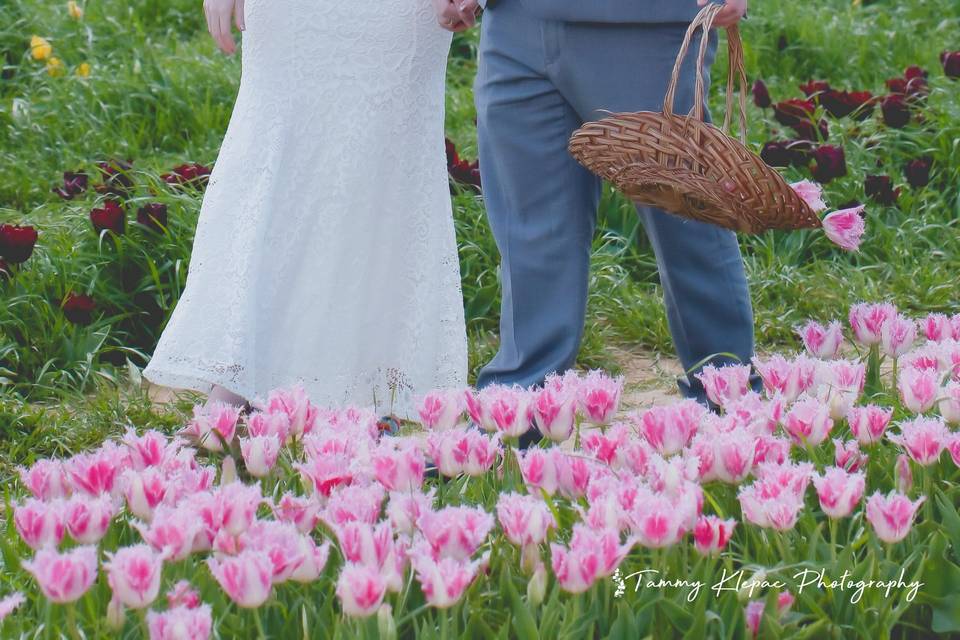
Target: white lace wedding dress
(325,251)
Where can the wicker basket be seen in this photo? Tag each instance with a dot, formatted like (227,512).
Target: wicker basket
(687,166)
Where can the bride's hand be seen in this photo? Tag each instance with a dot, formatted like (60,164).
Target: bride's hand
(219,14)
(731,13)
(456,15)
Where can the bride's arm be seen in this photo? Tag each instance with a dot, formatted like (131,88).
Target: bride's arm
(219,14)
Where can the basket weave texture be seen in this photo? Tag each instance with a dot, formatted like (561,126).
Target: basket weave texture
(687,166)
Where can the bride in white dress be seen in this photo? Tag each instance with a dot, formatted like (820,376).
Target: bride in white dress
(325,251)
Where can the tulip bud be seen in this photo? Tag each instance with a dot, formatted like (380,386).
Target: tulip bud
(530,557)
(228,471)
(537,587)
(116,617)
(904,474)
(386,625)
(749,588)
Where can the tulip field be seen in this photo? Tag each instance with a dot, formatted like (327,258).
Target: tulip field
(817,499)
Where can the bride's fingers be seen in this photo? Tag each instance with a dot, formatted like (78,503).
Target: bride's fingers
(226,36)
(467,12)
(238,16)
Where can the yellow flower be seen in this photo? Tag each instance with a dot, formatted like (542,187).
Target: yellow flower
(83,70)
(75,10)
(54,66)
(40,48)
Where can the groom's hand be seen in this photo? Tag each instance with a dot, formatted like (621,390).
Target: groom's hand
(219,14)
(731,13)
(456,15)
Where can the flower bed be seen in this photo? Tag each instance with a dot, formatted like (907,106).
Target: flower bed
(823,505)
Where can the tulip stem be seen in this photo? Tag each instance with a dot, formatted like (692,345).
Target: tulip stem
(256,617)
(142,615)
(833,540)
(72,621)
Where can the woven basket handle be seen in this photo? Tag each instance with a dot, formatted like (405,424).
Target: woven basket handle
(705,20)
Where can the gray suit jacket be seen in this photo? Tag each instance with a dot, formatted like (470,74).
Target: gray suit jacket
(623,11)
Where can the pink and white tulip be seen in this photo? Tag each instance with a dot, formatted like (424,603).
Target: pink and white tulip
(213,424)
(845,228)
(40,524)
(868,423)
(360,589)
(897,335)
(839,491)
(808,422)
(822,342)
(788,377)
(867,319)
(847,455)
(525,520)
(892,515)
(598,397)
(45,479)
(144,490)
(712,533)
(669,428)
(88,519)
(725,384)
(924,439)
(181,623)
(811,193)
(399,464)
(444,580)
(294,403)
(173,531)
(949,405)
(260,454)
(64,577)
(593,554)
(134,575)
(443,409)
(937,327)
(554,411)
(11,603)
(304,513)
(247,578)
(455,532)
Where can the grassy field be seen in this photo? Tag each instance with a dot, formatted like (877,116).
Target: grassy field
(158,94)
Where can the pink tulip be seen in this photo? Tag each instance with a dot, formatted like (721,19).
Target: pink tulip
(463,450)
(733,454)
(785,600)
(892,515)
(356,503)
(301,414)
(867,320)
(598,397)
(839,491)
(240,504)
(839,384)
(753,616)
(592,554)
(260,454)
(304,513)
(325,473)
(769,504)
(181,623)
(658,520)
(788,377)
(668,429)
(246,577)
(183,595)
(264,423)
(949,405)
(213,425)
(508,408)
(39,523)
(143,491)
(808,422)
(847,455)
(151,449)
(399,465)
(404,510)
(314,560)
(903,474)
(924,439)
(455,532)
(539,469)
(360,589)
(868,423)
(173,531)
(280,541)
(574,474)
(45,479)
(845,228)
(525,520)
(443,581)
(793,476)
(918,389)
(725,384)
(64,577)
(134,575)
(822,342)
(10,603)
(96,472)
(604,445)
(897,335)
(769,449)
(712,534)
(375,547)
(88,519)
(554,411)
(441,410)
(811,193)
(937,327)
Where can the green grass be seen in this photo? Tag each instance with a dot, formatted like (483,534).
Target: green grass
(160,94)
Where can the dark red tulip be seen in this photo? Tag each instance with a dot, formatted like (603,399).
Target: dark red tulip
(951,63)
(153,215)
(912,84)
(453,157)
(783,153)
(78,308)
(813,88)
(829,162)
(790,112)
(840,104)
(74,183)
(917,171)
(761,96)
(116,177)
(466,173)
(880,190)
(110,217)
(896,111)
(806,131)
(16,242)
(188,175)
